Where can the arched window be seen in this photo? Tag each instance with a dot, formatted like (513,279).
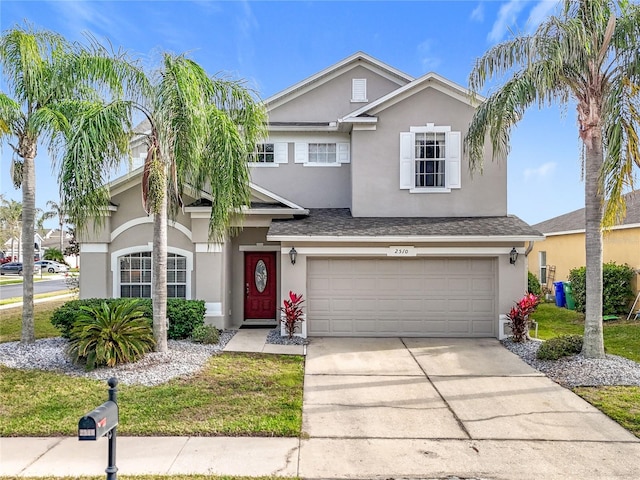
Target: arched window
(135,275)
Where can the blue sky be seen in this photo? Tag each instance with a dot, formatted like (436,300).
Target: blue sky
(274,44)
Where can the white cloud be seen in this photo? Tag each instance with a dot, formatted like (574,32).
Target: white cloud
(542,171)
(428,59)
(539,13)
(507,17)
(477,15)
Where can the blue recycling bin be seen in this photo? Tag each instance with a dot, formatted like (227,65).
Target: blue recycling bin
(559,288)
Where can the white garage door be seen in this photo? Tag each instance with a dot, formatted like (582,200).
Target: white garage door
(453,297)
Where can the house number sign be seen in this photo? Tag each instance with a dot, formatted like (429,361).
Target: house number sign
(401,251)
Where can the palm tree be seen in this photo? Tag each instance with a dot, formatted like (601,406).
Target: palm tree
(11,221)
(589,55)
(55,97)
(201,132)
(56,210)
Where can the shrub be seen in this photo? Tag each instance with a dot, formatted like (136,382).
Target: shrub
(292,313)
(183,315)
(519,317)
(110,334)
(54,254)
(616,288)
(207,334)
(561,346)
(533,285)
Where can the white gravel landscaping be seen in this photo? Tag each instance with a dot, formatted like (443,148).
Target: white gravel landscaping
(576,370)
(186,358)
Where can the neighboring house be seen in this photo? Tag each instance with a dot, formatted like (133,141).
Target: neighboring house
(361,201)
(564,248)
(52,240)
(13,247)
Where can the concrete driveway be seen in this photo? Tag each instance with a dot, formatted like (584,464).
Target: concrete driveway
(389,407)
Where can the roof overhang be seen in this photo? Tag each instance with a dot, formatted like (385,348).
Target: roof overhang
(405,238)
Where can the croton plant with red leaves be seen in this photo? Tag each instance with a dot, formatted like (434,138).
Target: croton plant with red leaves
(293,314)
(519,317)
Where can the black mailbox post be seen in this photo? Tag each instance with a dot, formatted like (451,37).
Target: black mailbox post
(102,421)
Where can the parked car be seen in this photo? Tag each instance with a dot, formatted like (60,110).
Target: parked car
(11,268)
(52,267)
(15,268)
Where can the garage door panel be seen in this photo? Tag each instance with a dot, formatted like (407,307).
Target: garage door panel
(393,297)
(483,327)
(482,284)
(339,305)
(458,284)
(481,306)
(459,305)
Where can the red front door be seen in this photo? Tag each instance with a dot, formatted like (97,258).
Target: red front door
(260,285)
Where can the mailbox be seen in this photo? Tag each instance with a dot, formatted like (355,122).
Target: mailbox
(98,422)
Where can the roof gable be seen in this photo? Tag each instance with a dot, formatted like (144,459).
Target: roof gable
(575,221)
(429,80)
(320,78)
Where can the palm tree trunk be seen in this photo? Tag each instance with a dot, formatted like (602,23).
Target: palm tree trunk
(61,240)
(593,345)
(159,284)
(28,153)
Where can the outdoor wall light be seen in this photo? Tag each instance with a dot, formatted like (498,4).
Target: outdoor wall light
(513,256)
(293,254)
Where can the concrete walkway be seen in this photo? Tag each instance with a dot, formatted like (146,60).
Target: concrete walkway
(385,408)
(254,340)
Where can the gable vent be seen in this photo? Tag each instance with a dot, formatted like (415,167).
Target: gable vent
(359,90)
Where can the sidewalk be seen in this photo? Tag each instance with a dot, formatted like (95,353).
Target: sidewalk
(237,456)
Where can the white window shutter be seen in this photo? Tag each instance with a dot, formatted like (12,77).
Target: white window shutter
(453,171)
(343,153)
(359,90)
(281,152)
(406,160)
(301,152)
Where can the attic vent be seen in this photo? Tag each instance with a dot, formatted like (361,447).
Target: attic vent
(359,90)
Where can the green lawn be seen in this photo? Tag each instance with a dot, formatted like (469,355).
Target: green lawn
(620,337)
(621,403)
(11,321)
(235,394)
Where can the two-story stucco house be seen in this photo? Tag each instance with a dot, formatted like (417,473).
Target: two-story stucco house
(361,200)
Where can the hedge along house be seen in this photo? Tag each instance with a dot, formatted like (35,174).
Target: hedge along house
(563,248)
(361,201)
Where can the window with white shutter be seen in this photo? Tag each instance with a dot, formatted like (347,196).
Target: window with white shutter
(430,159)
(322,153)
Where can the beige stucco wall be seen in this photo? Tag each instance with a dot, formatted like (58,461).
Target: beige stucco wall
(94,278)
(568,251)
(332,100)
(376,168)
(308,186)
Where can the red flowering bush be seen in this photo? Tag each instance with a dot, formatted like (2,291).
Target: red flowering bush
(519,317)
(293,314)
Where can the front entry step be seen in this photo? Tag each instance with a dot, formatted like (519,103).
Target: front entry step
(259,324)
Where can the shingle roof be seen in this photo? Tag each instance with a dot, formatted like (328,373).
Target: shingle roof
(575,220)
(329,222)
